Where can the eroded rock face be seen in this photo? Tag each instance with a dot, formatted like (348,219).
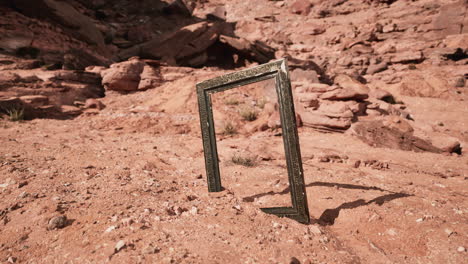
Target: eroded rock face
(330,107)
(194,45)
(42,93)
(61,87)
(65,14)
(452,19)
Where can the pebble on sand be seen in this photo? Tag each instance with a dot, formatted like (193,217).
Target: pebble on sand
(120,245)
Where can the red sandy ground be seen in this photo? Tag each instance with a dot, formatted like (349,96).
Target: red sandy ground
(135,172)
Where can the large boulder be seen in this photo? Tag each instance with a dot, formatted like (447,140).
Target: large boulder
(320,121)
(150,78)
(132,75)
(315,113)
(435,84)
(123,76)
(348,82)
(446,143)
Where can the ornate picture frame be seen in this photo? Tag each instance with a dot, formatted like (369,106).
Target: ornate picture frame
(277,70)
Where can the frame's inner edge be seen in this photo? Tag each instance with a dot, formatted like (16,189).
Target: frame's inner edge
(238,83)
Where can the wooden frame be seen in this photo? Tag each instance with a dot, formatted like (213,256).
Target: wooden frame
(279,71)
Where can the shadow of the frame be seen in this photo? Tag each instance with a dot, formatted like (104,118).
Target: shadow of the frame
(329,216)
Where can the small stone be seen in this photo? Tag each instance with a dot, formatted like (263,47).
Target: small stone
(237,207)
(120,245)
(355,163)
(461,249)
(419,220)
(150,250)
(389,28)
(294,261)
(194,210)
(94,103)
(191,197)
(460,82)
(57,222)
(127,221)
(11,260)
(315,230)
(449,232)
(23,183)
(16,206)
(324,240)
(324,159)
(110,229)
(392,232)
(179,210)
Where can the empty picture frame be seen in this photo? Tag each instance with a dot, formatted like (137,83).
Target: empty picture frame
(279,71)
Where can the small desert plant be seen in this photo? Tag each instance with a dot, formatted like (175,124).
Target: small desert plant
(229,128)
(261,103)
(232,101)
(243,160)
(248,114)
(15,113)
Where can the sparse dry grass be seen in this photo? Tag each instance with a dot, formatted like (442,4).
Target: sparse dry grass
(245,161)
(229,128)
(248,114)
(232,101)
(261,103)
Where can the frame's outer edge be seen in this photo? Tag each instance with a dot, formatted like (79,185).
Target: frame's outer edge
(291,144)
(234,77)
(278,70)
(212,169)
